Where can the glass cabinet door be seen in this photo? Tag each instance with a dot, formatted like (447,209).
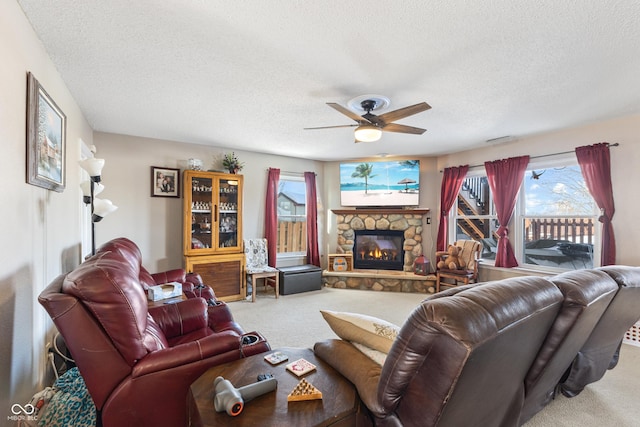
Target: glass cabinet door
(212,213)
(228,213)
(202,210)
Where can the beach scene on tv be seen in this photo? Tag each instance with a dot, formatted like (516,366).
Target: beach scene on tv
(392,183)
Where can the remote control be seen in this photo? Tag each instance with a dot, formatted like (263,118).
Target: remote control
(263,377)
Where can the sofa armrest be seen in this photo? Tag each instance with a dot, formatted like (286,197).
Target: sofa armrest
(176,275)
(193,287)
(180,318)
(198,291)
(186,353)
(221,319)
(193,278)
(354,365)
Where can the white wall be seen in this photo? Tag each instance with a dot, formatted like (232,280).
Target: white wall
(625,171)
(39,228)
(155,223)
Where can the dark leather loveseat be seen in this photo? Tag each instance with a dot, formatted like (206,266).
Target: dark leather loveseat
(138,361)
(494,354)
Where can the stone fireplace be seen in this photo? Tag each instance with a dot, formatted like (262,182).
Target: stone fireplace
(407,224)
(378,249)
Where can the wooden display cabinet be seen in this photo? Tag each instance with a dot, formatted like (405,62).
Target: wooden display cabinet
(224,273)
(212,213)
(212,231)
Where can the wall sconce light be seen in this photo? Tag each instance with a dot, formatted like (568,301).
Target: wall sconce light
(99,207)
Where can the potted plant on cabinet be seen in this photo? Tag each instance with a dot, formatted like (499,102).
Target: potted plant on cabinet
(231,162)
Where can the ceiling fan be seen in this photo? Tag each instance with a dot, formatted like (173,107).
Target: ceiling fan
(369,126)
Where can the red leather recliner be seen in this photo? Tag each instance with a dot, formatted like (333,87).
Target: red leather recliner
(137,362)
(220,317)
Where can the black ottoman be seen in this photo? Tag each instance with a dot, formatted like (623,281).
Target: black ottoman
(300,278)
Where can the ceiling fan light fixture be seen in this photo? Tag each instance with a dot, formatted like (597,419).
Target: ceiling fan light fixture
(368,133)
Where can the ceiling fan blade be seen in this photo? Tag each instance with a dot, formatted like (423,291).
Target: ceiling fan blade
(401,113)
(395,127)
(331,127)
(346,112)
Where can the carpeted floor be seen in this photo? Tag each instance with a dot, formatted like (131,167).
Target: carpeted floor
(295,321)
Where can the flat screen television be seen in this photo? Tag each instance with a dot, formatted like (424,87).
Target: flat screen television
(372,184)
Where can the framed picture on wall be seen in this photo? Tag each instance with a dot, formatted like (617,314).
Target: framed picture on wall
(165,182)
(46,135)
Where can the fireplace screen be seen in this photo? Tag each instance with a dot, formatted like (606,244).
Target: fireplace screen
(379,249)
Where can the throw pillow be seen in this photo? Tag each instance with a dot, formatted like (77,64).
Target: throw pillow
(375,355)
(359,328)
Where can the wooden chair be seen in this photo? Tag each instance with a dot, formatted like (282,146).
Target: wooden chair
(257,267)
(470,256)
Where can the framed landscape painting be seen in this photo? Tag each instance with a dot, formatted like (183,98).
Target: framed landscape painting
(46,135)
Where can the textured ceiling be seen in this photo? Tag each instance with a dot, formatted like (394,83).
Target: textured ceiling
(251,75)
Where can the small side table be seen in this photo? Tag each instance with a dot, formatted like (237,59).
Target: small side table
(340,404)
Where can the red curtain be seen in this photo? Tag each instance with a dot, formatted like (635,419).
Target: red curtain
(313,254)
(271,215)
(451,182)
(505,177)
(595,163)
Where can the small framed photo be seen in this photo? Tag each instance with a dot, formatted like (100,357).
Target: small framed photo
(46,135)
(165,182)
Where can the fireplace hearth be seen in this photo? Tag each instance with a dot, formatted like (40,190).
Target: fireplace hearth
(378,249)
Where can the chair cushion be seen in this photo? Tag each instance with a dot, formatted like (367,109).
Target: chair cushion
(359,328)
(256,255)
(262,269)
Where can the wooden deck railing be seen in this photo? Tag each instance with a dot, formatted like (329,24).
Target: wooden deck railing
(576,230)
(292,236)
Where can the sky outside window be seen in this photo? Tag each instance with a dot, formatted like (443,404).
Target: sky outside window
(557,192)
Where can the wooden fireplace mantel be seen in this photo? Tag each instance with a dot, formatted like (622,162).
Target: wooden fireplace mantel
(370,211)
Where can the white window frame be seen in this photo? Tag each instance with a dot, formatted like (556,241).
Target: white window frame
(453,214)
(519,217)
(299,254)
(516,225)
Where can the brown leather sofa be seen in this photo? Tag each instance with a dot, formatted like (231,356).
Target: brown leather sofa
(491,354)
(587,294)
(137,361)
(601,351)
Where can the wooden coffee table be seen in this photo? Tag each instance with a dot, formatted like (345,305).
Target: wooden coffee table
(340,404)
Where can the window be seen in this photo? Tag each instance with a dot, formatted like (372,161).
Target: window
(554,224)
(475,216)
(292,215)
(558,219)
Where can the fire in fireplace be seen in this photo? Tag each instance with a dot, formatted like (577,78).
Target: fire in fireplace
(378,249)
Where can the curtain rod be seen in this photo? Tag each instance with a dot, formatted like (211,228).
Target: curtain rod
(546,155)
(294,173)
